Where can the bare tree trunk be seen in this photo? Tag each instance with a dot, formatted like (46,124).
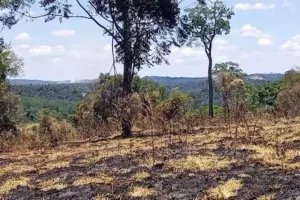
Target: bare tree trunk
(127,91)
(210,86)
(127,76)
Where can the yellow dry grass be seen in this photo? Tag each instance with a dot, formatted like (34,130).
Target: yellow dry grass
(13,183)
(16,169)
(141,192)
(201,163)
(100,197)
(225,190)
(53,184)
(100,178)
(267,197)
(141,175)
(90,153)
(268,156)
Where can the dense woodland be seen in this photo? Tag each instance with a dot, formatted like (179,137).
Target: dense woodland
(62,98)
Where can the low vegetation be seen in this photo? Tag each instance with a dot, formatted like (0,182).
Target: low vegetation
(131,138)
(210,163)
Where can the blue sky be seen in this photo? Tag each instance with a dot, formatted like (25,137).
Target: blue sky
(265,37)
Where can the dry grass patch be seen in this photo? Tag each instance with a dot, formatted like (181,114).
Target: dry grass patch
(15,169)
(225,190)
(267,156)
(141,192)
(56,165)
(53,184)
(100,197)
(167,175)
(90,159)
(267,197)
(141,175)
(202,163)
(12,184)
(86,180)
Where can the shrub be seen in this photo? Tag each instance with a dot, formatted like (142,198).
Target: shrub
(175,106)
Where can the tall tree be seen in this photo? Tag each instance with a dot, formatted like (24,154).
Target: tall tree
(200,26)
(139,30)
(10,65)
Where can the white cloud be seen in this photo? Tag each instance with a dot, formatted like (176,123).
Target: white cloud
(220,42)
(63,33)
(59,49)
(223,45)
(251,31)
(264,42)
(264,6)
(252,54)
(258,5)
(46,50)
(220,59)
(292,46)
(24,46)
(23,36)
(189,52)
(56,59)
(242,6)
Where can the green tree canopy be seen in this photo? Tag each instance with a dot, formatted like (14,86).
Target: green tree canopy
(200,26)
(10,65)
(139,29)
(229,67)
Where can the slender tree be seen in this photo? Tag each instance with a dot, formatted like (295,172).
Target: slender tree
(140,31)
(200,26)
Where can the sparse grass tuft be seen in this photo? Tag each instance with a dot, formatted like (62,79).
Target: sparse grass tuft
(141,175)
(268,157)
(101,178)
(15,169)
(53,184)
(11,184)
(267,197)
(225,190)
(141,192)
(201,163)
(100,197)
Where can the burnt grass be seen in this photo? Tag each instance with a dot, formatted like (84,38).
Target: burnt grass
(257,178)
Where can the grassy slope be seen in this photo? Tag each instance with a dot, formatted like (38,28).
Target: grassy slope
(259,164)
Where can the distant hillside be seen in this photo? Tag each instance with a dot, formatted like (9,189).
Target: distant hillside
(54,91)
(40,82)
(29,82)
(62,97)
(200,84)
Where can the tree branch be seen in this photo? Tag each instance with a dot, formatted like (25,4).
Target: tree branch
(56,15)
(100,25)
(114,19)
(105,18)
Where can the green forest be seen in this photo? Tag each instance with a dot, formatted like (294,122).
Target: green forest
(61,99)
